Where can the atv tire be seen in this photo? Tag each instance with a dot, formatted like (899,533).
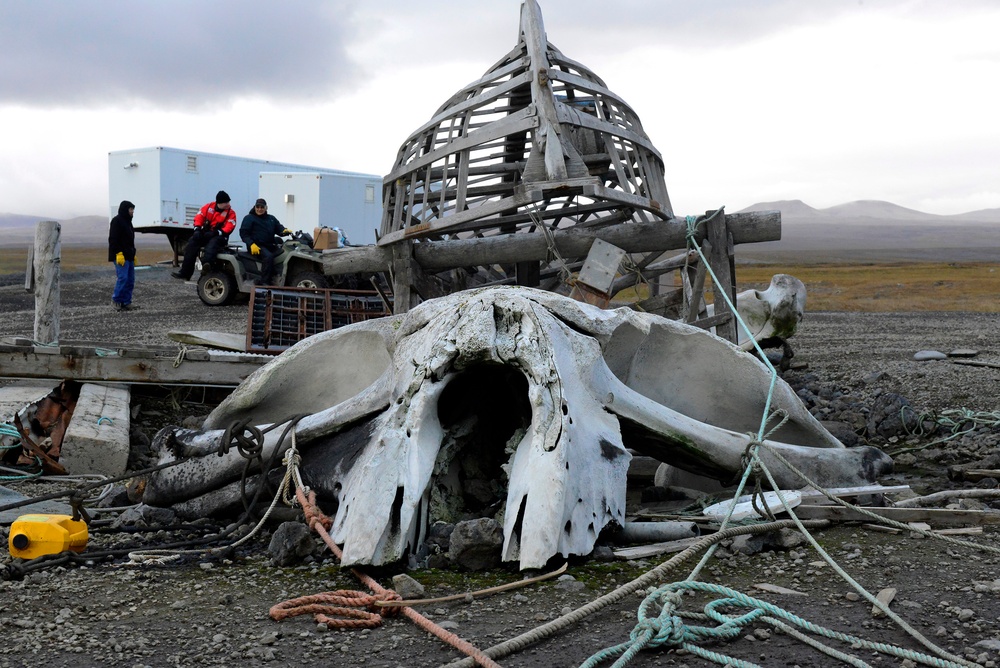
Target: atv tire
(216,288)
(309,279)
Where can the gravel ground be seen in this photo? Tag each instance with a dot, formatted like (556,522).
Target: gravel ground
(204,610)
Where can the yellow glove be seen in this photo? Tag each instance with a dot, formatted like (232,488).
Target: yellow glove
(120,259)
(286,231)
(254,249)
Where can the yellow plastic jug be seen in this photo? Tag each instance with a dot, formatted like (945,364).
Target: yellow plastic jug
(36,535)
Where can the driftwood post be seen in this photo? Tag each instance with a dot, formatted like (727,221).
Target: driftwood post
(718,258)
(46,266)
(402,274)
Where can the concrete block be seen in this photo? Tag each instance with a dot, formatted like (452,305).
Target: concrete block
(97,440)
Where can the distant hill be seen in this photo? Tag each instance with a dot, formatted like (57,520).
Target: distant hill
(19,230)
(874,230)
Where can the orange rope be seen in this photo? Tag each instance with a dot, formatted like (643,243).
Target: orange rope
(345,603)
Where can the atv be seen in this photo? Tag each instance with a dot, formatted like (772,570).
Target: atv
(237,272)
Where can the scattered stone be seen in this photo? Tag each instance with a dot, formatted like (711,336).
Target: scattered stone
(145,516)
(290,544)
(891,415)
(407,587)
(929,356)
(963,352)
(476,544)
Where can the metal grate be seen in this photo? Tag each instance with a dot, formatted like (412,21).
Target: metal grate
(281,317)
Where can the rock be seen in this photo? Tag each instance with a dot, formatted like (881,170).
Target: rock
(875,377)
(929,355)
(407,587)
(783,539)
(193,421)
(290,544)
(963,352)
(476,544)
(891,415)
(602,553)
(439,535)
(144,516)
(842,431)
(118,496)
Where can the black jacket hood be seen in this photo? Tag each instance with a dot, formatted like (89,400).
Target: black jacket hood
(124,207)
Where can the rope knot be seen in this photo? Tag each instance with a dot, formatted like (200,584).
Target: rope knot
(314,515)
(666,630)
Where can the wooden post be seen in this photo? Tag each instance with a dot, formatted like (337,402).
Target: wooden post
(29,270)
(718,258)
(46,265)
(402,276)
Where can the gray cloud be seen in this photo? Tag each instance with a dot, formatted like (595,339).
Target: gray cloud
(177,54)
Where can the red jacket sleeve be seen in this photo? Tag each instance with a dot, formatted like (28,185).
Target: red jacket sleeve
(230,223)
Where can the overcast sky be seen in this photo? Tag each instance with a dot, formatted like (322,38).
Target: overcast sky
(825,101)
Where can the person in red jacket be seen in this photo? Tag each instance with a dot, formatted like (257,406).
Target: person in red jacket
(212,227)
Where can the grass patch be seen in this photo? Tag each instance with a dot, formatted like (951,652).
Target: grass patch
(75,258)
(884,288)
(863,287)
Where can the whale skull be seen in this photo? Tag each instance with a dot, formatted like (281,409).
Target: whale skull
(548,393)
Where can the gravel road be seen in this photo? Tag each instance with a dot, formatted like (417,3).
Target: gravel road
(203,610)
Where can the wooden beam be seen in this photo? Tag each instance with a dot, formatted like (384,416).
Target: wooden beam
(435,256)
(937,516)
(95,365)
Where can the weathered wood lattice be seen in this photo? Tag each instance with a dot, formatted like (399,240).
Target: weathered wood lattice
(538,144)
(516,175)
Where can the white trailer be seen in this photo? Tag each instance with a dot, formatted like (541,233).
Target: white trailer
(168,186)
(305,200)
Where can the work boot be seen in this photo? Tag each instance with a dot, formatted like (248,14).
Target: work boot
(177,274)
(117,305)
(129,307)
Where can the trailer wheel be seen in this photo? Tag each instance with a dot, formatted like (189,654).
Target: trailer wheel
(216,288)
(309,279)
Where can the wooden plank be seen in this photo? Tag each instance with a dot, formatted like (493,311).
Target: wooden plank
(698,286)
(775,589)
(841,492)
(713,321)
(654,549)
(229,370)
(934,516)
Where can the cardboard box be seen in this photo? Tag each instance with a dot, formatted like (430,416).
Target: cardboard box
(325,238)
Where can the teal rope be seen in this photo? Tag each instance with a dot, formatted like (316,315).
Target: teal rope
(666,628)
(26,475)
(953,419)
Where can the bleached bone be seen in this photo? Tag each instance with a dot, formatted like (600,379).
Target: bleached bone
(772,313)
(573,386)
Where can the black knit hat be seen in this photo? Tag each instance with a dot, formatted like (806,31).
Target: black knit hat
(221,197)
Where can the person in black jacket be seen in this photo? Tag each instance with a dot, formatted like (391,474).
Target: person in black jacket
(121,251)
(257,231)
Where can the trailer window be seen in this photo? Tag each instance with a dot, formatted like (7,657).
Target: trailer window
(369,193)
(192,163)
